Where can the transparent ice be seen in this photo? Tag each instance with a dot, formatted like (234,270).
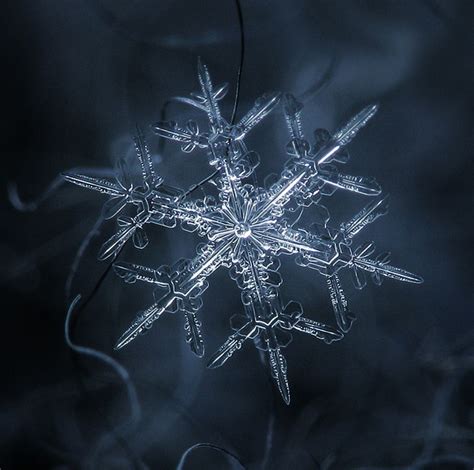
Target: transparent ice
(247,227)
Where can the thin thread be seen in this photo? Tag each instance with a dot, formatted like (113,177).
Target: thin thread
(100,281)
(198,185)
(207,445)
(69,328)
(135,411)
(80,253)
(241,64)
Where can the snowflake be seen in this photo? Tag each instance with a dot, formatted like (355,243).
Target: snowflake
(247,227)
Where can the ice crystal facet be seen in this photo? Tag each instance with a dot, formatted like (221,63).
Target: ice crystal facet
(247,227)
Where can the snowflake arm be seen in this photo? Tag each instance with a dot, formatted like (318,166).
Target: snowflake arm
(209,98)
(380,267)
(260,295)
(130,227)
(224,142)
(366,216)
(344,317)
(184,283)
(330,253)
(188,136)
(155,203)
(323,255)
(146,163)
(302,174)
(262,107)
(292,109)
(265,320)
(292,318)
(96,184)
(197,99)
(281,238)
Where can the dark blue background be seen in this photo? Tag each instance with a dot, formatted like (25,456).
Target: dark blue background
(398,391)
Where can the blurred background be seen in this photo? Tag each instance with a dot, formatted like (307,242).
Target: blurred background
(398,392)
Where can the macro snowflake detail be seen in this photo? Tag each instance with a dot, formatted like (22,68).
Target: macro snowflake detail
(247,227)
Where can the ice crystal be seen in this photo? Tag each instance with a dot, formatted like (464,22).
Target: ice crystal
(247,227)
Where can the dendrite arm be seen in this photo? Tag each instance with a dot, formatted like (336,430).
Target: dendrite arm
(184,283)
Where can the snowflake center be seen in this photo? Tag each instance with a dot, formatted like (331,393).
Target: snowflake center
(242,230)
